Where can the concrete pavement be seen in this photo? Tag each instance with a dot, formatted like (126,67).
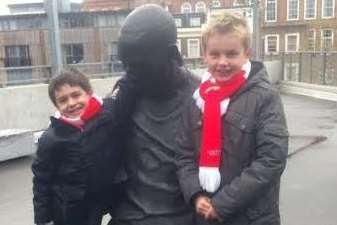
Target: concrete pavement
(309,184)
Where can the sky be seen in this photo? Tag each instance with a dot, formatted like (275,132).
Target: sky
(4,9)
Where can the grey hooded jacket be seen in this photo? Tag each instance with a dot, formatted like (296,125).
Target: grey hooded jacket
(254,152)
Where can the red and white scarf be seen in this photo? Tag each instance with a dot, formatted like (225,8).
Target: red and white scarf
(213,97)
(93,107)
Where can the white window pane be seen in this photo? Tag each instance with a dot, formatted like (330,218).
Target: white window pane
(292,9)
(271,10)
(310,8)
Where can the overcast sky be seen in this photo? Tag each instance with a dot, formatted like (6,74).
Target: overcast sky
(4,9)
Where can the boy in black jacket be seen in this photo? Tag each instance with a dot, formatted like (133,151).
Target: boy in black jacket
(78,169)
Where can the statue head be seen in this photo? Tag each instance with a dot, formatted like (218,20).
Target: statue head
(147,45)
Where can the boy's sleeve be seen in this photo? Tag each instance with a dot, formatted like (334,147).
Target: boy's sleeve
(265,171)
(43,170)
(187,157)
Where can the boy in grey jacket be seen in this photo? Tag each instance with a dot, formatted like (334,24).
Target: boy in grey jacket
(234,141)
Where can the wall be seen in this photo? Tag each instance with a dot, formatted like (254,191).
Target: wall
(29,108)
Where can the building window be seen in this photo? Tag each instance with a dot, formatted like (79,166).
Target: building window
(291,72)
(114,51)
(326,40)
(328,8)
(72,53)
(195,22)
(311,40)
(186,7)
(73,20)
(270,14)
(120,19)
(242,3)
(179,45)
(293,9)
(310,9)
(18,56)
(116,64)
(271,43)
(292,42)
(178,22)
(216,4)
(193,46)
(200,7)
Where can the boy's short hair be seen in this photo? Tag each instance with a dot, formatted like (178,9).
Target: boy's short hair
(224,23)
(71,77)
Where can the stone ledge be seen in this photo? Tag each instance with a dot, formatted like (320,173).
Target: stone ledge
(16,143)
(312,90)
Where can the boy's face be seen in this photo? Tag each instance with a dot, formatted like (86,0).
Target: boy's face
(71,101)
(224,55)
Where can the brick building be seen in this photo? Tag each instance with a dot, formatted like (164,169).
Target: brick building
(299,25)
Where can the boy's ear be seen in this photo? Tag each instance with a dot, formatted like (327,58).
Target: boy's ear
(249,52)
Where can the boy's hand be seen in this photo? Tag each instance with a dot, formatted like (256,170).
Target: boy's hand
(212,214)
(202,205)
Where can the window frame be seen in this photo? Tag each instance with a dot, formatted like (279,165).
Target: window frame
(277,43)
(305,10)
(309,38)
(66,56)
(297,10)
(204,7)
(217,5)
(189,48)
(322,39)
(287,41)
(266,11)
(333,9)
(182,7)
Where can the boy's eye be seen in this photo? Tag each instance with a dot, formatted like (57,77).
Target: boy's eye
(214,54)
(76,94)
(61,100)
(232,54)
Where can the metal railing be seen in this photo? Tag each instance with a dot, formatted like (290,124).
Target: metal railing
(308,67)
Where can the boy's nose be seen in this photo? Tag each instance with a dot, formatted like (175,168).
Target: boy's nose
(71,102)
(223,60)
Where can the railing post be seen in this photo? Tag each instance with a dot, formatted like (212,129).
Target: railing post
(300,67)
(54,36)
(324,68)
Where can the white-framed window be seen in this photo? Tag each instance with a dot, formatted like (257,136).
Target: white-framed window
(216,4)
(291,71)
(310,9)
(179,45)
(195,22)
(186,7)
(311,40)
(326,39)
(242,2)
(178,22)
(193,48)
(293,9)
(328,7)
(200,7)
(271,43)
(271,11)
(292,42)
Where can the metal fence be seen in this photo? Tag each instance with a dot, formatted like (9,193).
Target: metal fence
(308,67)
